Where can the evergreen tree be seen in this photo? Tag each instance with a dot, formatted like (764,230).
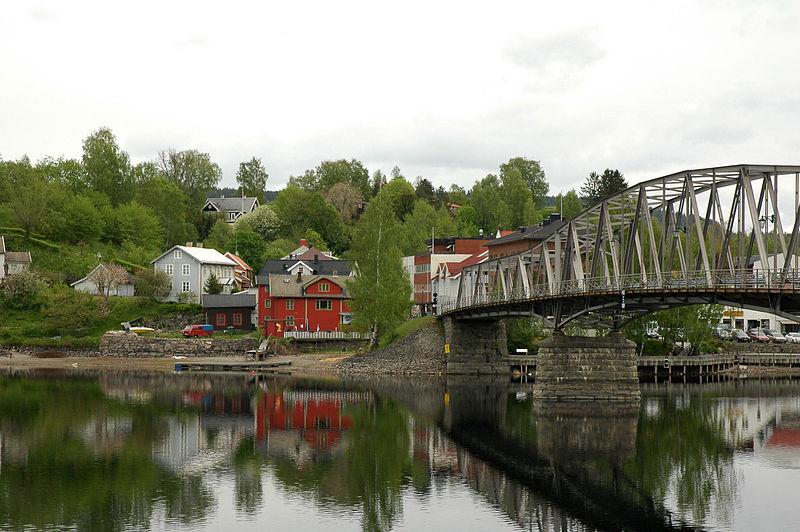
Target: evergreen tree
(213,286)
(598,186)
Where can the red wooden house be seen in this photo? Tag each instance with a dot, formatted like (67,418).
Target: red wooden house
(303,303)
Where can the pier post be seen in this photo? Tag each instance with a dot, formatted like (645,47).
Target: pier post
(476,347)
(581,368)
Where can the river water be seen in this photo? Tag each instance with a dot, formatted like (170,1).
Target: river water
(134,451)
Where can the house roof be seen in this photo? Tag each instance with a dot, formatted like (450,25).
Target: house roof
(233,204)
(202,255)
(313,252)
(287,285)
(2,245)
(20,257)
(238,260)
(128,278)
(454,268)
(531,232)
(229,300)
(322,267)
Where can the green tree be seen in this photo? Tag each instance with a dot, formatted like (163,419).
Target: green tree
(532,173)
(107,167)
(213,286)
(219,236)
(300,210)
(23,290)
(168,202)
(598,186)
(424,222)
(67,173)
(425,190)
(381,291)
(69,310)
(314,239)
(569,205)
(193,170)
(279,248)
(457,195)
(30,202)
(517,196)
(467,221)
(378,180)
(152,284)
(252,178)
(328,173)
(401,196)
(133,222)
(248,245)
(263,221)
(487,199)
(75,219)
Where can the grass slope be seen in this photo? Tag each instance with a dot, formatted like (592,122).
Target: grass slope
(406,328)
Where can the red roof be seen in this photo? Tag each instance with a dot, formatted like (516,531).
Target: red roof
(784,438)
(454,268)
(238,260)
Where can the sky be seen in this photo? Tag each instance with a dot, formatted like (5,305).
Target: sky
(444,90)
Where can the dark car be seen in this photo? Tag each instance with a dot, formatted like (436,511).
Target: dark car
(775,336)
(758,335)
(739,335)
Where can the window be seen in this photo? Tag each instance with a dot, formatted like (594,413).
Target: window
(237,319)
(178,254)
(290,321)
(186,269)
(169,269)
(324,287)
(268,303)
(422,268)
(221,319)
(290,304)
(323,304)
(185,287)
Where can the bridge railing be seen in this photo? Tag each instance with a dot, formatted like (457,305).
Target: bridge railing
(738,280)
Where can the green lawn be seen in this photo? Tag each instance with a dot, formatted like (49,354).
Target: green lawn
(406,328)
(25,327)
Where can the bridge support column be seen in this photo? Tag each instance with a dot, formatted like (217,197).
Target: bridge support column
(476,347)
(579,368)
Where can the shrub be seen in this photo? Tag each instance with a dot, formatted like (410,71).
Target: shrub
(23,290)
(187,297)
(151,284)
(68,309)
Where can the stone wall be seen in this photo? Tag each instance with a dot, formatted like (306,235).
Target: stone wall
(131,345)
(582,368)
(476,347)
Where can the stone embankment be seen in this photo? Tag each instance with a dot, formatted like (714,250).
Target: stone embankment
(419,353)
(122,344)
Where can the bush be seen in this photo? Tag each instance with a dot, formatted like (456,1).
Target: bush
(68,309)
(23,290)
(187,297)
(151,284)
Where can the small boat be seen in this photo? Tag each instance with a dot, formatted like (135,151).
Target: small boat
(140,330)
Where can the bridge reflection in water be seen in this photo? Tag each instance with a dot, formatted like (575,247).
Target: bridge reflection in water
(366,446)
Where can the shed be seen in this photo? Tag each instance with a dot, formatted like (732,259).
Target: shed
(230,310)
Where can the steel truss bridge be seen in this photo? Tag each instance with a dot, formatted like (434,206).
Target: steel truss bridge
(723,235)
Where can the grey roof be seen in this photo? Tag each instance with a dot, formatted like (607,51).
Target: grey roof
(287,285)
(125,275)
(532,232)
(2,245)
(20,257)
(322,267)
(234,204)
(229,300)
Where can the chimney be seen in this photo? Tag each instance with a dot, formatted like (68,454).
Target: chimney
(199,244)
(316,258)
(189,244)
(304,242)
(300,274)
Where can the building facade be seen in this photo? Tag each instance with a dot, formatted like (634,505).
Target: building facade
(190,267)
(231,208)
(106,279)
(230,310)
(303,303)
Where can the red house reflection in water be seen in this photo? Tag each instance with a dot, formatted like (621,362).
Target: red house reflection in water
(317,418)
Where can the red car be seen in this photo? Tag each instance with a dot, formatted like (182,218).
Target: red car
(198,330)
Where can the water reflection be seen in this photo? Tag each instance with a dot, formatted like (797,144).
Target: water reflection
(134,450)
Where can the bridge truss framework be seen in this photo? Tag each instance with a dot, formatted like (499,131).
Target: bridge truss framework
(685,238)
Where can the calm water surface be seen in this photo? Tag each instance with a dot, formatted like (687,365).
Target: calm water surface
(133,451)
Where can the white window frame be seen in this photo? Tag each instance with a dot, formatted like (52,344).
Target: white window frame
(178,254)
(186,286)
(328,302)
(186,269)
(169,269)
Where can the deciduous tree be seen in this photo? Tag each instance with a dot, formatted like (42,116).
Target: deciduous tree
(532,173)
(263,221)
(107,167)
(346,198)
(252,178)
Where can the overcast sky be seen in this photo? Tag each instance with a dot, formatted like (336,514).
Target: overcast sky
(447,90)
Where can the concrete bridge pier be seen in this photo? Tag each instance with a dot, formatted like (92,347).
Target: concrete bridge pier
(578,368)
(476,347)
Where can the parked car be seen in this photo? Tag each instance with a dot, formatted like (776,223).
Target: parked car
(198,330)
(793,337)
(739,335)
(775,336)
(723,330)
(758,335)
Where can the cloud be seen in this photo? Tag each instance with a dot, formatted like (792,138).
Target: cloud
(571,50)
